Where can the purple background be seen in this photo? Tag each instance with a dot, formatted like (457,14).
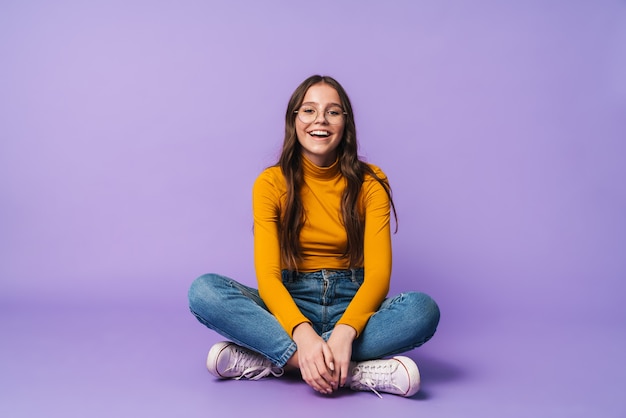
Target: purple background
(131,133)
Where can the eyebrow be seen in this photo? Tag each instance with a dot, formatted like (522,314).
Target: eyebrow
(315,103)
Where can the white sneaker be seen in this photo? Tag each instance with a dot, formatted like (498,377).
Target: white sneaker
(398,375)
(228,360)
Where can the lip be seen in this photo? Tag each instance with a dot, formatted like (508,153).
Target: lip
(320,138)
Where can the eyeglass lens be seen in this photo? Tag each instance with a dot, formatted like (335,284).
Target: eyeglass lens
(308,114)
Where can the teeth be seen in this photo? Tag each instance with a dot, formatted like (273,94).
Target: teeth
(319,133)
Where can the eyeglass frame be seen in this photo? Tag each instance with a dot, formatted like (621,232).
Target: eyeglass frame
(343,112)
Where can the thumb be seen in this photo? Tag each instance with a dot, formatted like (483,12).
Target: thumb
(328,357)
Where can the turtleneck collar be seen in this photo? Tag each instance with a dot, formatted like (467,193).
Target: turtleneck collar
(322,173)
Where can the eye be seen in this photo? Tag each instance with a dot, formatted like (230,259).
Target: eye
(334,112)
(307,110)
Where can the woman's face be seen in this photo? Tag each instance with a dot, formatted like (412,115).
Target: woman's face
(319,138)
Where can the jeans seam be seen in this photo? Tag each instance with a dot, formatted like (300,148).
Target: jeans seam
(282,361)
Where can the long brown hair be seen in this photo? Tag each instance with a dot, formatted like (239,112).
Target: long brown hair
(350,166)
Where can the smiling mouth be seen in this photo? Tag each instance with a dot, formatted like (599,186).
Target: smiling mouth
(320,134)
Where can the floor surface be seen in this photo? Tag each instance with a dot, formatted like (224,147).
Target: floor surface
(123,362)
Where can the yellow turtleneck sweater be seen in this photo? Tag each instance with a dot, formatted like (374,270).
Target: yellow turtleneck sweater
(323,240)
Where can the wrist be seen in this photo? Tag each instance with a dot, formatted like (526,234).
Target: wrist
(301,329)
(345,331)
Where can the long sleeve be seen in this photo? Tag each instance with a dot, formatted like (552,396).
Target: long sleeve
(377,256)
(266,202)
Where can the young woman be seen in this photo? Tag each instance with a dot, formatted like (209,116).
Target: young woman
(322,250)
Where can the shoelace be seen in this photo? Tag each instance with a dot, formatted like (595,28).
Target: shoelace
(375,376)
(248,365)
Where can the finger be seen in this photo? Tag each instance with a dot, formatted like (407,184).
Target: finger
(329,359)
(312,376)
(343,374)
(313,383)
(323,378)
(320,376)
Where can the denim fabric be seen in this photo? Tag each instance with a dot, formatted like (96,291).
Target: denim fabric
(237,312)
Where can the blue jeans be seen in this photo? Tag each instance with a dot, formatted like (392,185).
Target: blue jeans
(237,312)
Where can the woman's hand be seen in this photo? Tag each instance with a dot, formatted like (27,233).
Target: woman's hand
(315,359)
(340,343)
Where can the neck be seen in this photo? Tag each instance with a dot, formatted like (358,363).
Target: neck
(321,172)
(321,161)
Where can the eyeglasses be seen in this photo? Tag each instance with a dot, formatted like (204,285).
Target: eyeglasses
(308,114)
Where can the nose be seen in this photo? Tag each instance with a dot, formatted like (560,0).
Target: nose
(320,117)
